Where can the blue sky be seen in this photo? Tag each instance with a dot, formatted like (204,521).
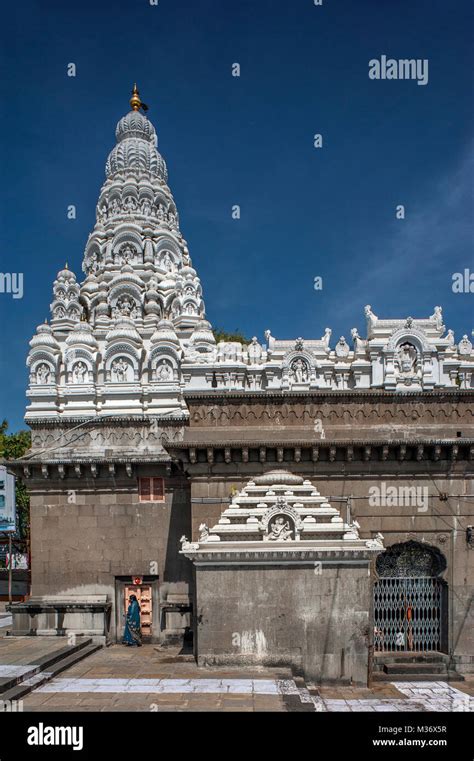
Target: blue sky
(305,212)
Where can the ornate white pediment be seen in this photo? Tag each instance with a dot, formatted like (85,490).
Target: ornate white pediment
(278,515)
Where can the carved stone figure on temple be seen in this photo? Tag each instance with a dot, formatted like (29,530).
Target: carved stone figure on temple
(370,316)
(164,371)
(42,374)
(465,346)
(59,312)
(406,362)
(124,306)
(146,207)
(326,337)
(79,372)
(120,370)
(168,263)
(299,371)
(342,348)
(280,530)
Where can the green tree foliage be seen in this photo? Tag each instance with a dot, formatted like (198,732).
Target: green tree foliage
(12,446)
(222,335)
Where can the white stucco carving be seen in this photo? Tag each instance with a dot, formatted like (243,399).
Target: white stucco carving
(278,512)
(133,335)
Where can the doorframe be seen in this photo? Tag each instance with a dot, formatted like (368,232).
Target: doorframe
(443,614)
(152,581)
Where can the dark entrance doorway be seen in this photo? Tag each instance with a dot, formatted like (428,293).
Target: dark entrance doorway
(410,610)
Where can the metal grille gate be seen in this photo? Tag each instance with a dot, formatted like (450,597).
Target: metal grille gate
(407,614)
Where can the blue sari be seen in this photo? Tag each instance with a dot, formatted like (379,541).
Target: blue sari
(132,634)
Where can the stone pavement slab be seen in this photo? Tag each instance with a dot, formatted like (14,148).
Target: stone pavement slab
(151,679)
(147,679)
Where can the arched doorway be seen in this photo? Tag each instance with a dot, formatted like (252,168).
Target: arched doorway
(410,600)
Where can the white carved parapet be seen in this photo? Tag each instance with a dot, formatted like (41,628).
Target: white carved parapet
(229,352)
(255,354)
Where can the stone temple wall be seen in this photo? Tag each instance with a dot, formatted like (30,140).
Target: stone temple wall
(83,546)
(318,624)
(437,523)
(88,532)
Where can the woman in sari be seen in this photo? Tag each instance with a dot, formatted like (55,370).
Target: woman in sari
(132,635)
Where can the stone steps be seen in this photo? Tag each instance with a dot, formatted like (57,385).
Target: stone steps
(450,676)
(427,657)
(46,668)
(414,668)
(429,667)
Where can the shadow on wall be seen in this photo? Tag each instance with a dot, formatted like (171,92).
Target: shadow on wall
(177,568)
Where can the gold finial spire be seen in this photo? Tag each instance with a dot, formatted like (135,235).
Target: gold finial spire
(135,101)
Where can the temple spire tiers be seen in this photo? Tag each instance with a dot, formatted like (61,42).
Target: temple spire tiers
(138,272)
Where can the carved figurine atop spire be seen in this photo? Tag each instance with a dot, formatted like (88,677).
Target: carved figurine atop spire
(135,100)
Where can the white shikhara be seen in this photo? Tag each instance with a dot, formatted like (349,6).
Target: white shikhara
(132,337)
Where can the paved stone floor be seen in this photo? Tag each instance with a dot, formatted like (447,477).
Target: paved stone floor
(150,679)
(398,696)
